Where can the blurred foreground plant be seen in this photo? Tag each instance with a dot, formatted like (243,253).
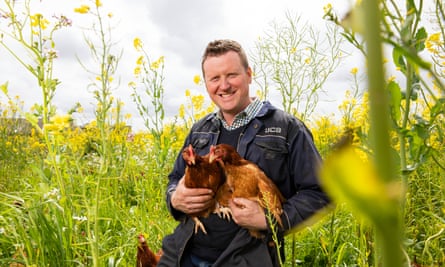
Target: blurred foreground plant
(392,158)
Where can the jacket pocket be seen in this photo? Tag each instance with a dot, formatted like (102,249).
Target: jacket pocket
(272,149)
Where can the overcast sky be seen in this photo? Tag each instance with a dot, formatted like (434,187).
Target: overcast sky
(177,30)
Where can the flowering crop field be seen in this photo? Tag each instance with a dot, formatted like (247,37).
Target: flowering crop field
(79,195)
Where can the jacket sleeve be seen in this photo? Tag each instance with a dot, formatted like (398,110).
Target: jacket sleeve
(173,180)
(304,163)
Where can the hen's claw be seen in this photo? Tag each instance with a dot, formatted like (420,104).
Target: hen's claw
(199,225)
(224,213)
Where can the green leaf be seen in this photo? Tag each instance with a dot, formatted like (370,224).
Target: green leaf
(421,36)
(397,57)
(438,108)
(395,100)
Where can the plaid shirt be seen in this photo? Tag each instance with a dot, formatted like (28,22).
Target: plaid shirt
(244,117)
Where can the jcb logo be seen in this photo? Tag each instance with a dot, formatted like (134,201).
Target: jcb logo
(273,130)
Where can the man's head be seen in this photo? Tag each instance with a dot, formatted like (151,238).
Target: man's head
(220,47)
(227,77)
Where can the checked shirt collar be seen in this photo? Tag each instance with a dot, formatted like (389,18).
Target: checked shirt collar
(244,117)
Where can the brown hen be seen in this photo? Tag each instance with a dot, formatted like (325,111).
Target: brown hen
(202,172)
(244,179)
(145,257)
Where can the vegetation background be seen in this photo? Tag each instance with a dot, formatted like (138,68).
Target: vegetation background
(78,195)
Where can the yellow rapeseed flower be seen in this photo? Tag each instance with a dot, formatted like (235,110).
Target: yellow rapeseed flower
(198,103)
(37,20)
(140,60)
(187,92)
(181,111)
(137,70)
(354,71)
(83,9)
(433,41)
(197,79)
(157,63)
(259,94)
(62,120)
(98,3)
(137,43)
(327,8)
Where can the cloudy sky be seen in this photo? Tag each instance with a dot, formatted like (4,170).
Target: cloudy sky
(177,30)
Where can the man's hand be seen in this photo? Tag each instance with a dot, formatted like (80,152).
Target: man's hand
(247,213)
(191,200)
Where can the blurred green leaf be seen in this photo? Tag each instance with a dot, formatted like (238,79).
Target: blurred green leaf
(420,38)
(395,100)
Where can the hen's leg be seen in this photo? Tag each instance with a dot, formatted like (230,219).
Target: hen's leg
(198,225)
(223,212)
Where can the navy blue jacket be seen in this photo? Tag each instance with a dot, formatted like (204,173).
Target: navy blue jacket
(283,148)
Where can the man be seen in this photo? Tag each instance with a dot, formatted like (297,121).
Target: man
(279,143)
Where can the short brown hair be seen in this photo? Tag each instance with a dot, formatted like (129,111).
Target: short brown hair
(220,47)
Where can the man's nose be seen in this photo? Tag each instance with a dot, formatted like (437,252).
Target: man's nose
(225,83)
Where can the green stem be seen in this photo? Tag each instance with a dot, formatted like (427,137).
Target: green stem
(379,113)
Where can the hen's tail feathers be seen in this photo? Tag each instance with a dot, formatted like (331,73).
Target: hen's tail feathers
(271,199)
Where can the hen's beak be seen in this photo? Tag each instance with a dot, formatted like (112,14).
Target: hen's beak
(192,155)
(212,155)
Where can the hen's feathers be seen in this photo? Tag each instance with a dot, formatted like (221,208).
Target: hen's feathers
(244,179)
(202,172)
(145,257)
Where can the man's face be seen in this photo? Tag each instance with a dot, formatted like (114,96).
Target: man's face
(227,82)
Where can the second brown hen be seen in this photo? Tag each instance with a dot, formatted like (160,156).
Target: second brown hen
(244,179)
(145,256)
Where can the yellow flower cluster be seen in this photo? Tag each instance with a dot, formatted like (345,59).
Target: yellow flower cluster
(155,65)
(327,8)
(83,9)
(197,79)
(58,123)
(77,140)
(195,107)
(433,42)
(38,21)
(137,43)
